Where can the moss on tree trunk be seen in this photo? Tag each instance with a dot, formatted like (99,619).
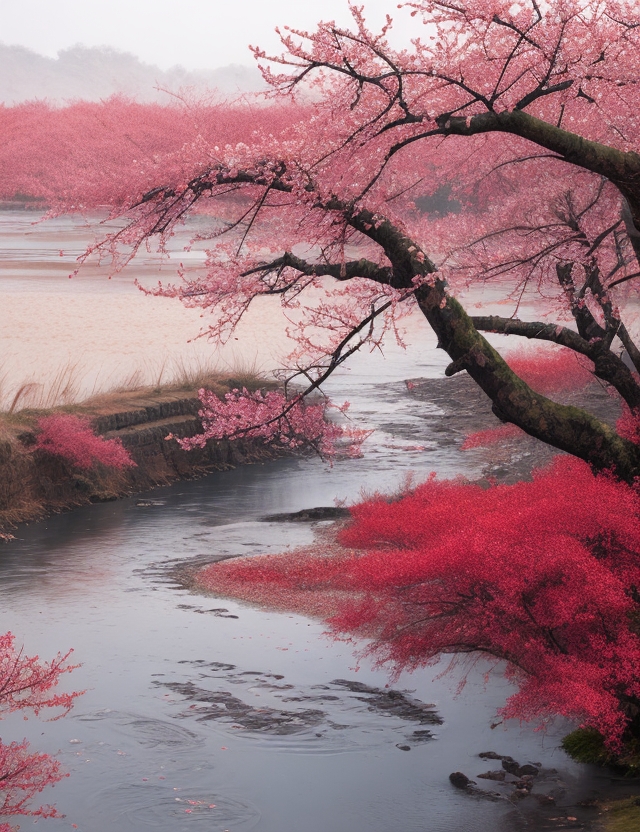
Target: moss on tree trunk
(567,428)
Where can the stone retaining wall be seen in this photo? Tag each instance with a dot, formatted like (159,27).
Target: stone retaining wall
(34,484)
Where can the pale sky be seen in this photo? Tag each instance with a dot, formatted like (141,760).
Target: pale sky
(198,34)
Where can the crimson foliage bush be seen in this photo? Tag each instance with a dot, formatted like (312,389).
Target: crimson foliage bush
(542,575)
(71,437)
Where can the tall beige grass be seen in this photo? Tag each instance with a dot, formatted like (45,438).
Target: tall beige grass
(68,387)
(64,388)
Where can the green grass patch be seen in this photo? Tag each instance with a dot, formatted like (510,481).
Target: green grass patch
(622,816)
(586,745)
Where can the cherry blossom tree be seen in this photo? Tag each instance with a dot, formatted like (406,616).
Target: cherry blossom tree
(525,111)
(26,684)
(560,75)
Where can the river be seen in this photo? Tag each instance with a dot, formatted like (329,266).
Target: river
(201,713)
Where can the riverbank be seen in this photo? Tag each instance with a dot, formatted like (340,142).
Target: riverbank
(238,707)
(353,590)
(35,484)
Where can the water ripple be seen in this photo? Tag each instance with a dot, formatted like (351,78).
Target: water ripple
(149,732)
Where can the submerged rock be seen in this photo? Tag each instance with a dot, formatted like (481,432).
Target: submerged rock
(493,775)
(394,703)
(492,755)
(459,780)
(309,515)
(511,767)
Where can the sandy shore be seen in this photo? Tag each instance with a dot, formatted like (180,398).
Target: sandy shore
(82,342)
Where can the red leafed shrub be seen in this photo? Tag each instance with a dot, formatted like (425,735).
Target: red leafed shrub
(490,436)
(551,370)
(26,684)
(628,425)
(71,437)
(542,575)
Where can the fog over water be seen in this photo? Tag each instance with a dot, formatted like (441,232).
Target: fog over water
(99,332)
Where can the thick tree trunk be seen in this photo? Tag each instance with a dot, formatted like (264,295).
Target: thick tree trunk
(607,365)
(567,428)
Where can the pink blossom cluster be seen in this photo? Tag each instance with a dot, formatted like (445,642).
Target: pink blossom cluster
(24,775)
(26,683)
(477,55)
(271,417)
(72,438)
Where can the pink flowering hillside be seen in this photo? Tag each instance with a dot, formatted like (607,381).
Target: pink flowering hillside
(90,153)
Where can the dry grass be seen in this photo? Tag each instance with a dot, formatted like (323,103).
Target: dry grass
(181,375)
(621,816)
(25,390)
(64,389)
(244,373)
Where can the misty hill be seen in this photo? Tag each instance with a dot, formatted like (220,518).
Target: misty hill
(92,74)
